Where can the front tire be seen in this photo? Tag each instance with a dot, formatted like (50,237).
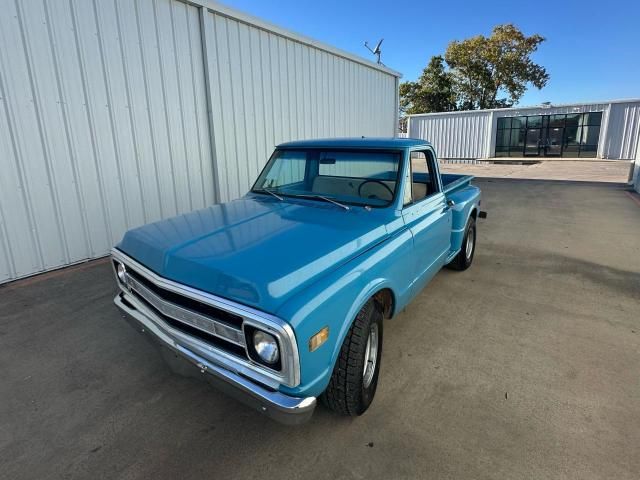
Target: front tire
(355,376)
(463,260)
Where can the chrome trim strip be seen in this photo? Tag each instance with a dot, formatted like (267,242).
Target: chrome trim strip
(221,358)
(206,324)
(276,405)
(290,373)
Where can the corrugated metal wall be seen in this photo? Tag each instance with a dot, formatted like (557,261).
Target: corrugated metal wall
(623,131)
(280,89)
(471,134)
(102,127)
(636,172)
(116,113)
(454,135)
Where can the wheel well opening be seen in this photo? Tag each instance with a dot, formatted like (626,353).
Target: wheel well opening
(386,300)
(474,213)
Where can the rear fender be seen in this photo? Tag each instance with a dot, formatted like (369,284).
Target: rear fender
(466,201)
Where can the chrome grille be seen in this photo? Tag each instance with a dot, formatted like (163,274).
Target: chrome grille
(198,316)
(189,317)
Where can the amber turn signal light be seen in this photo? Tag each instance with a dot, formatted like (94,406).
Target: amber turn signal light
(318,339)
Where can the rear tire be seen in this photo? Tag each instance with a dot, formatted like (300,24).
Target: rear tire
(355,376)
(463,260)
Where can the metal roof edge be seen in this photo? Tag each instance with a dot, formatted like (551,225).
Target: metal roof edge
(248,19)
(528,107)
(359,142)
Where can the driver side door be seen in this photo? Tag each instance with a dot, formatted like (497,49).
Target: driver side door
(427,216)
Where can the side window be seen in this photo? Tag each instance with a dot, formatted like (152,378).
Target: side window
(423,181)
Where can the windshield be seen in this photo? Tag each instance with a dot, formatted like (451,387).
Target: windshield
(356,177)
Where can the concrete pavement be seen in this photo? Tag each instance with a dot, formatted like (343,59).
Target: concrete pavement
(590,170)
(524,366)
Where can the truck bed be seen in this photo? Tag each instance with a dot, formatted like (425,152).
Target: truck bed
(452,182)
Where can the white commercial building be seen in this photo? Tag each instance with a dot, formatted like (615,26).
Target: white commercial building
(609,130)
(121,112)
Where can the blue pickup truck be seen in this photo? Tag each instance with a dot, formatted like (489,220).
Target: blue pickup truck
(278,298)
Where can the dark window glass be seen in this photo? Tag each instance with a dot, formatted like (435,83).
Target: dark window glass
(534,122)
(557,121)
(590,135)
(553,145)
(502,138)
(504,122)
(502,151)
(545,121)
(570,151)
(588,150)
(593,118)
(572,135)
(517,137)
(518,122)
(555,136)
(573,119)
(533,140)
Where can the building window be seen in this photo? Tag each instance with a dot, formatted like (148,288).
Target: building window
(566,135)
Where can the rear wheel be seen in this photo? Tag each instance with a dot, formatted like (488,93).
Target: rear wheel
(463,260)
(355,375)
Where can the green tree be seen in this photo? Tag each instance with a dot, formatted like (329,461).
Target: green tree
(432,92)
(484,67)
(475,72)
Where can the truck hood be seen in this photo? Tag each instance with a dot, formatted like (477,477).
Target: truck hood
(258,252)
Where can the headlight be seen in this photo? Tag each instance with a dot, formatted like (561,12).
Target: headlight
(266,347)
(121,271)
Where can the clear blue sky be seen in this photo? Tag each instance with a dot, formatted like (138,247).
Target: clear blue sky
(592,50)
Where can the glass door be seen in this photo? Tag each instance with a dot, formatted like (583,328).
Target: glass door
(554,135)
(554,142)
(533,142)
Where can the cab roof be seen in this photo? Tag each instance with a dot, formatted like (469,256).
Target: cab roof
(357,142)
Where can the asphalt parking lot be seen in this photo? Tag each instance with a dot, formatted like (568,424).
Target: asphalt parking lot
(525,366)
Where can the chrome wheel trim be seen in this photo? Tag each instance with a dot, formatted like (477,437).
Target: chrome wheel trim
(469,246)
(370,356)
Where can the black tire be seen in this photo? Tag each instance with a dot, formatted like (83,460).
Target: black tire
(347,393)
(462,261)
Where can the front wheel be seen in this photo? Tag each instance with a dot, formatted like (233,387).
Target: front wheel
(355,375)
(463,260)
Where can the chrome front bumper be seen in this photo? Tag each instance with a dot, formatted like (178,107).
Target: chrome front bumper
(276,405)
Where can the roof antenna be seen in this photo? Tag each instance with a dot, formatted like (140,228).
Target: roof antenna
(376,51)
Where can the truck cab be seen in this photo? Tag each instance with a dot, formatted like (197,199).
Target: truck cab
(279,298)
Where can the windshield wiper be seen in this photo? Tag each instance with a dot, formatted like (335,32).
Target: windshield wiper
(321,197)
(264,190)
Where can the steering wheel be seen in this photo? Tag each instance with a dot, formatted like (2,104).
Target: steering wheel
(375,196)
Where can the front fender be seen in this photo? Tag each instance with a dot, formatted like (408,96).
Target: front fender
(335,300)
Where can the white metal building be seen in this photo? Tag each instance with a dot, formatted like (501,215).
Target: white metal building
(636,172)
(609,130)
(120,112)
